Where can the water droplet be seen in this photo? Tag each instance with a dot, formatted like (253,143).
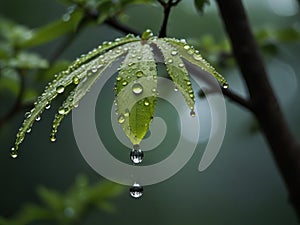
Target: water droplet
(191,95)
(137,88)
(197,57)
(170,61)
(52,138)
(121,119)
(94,69)
(192,113)
(139,74)
(124,83)
(119,78)
(136,191)
(28,131)
(60,89)
(136,154)
(75,80)
(190,51)
(27,115)
(126,114)
(186,47)
(175,89)
(146,102)
(66,17)
(13,153)
(225,85)
(181,65)
(61,111)
(174,53)
(48,106)
(139,58)
(38,118)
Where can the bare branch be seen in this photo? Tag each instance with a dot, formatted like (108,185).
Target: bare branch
(284,147)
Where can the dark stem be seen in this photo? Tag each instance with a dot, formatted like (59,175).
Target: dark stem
(167,9)
(246,103)
(283,145)
(113,22)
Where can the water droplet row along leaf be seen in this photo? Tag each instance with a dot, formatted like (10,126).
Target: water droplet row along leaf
(94,71)
(177,71)
(193,56)
(78,69)
(135,91)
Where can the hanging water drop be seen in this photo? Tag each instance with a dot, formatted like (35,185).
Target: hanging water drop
(192,113)
(38,118)
(225,85)
(137,89)
(13,153)
(28,131)
(48,106)
(60,89)
(121,119)
(52,138)
(136,191)
(136,154)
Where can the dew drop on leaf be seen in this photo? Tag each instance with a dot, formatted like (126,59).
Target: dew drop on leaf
(174,53)
(124,83)
(60,89)
(75,80)
(137,89)
(121,119)
(146,102)
(139,74)
(48,106)
(38,118)
(61,111)
(136,191)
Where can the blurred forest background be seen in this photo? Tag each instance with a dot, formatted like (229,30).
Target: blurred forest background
(50,183)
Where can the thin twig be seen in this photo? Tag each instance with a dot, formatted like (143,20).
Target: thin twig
(238,99)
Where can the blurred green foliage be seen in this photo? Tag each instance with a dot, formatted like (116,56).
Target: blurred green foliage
(70,207)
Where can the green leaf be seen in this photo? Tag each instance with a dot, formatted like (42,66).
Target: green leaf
(200,5)
(136,92)
(193,56)
(51,198)
(177,71)
(25,60)
(54,30)
(76,73)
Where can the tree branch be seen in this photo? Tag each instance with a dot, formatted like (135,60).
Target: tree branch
(113,22)
(167,9)
(284,147)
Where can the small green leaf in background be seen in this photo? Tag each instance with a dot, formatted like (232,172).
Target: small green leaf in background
(200,5)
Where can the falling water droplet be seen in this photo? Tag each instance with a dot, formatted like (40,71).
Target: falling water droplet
(121,119)
(136,191)
(60,89)
(137,89)
(13,153)
(136,154)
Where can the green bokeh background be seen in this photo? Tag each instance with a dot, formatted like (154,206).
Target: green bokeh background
(242,186)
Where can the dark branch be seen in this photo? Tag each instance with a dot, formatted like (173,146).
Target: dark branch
(284,147)
(115,24)
(246,103)
(167,9)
